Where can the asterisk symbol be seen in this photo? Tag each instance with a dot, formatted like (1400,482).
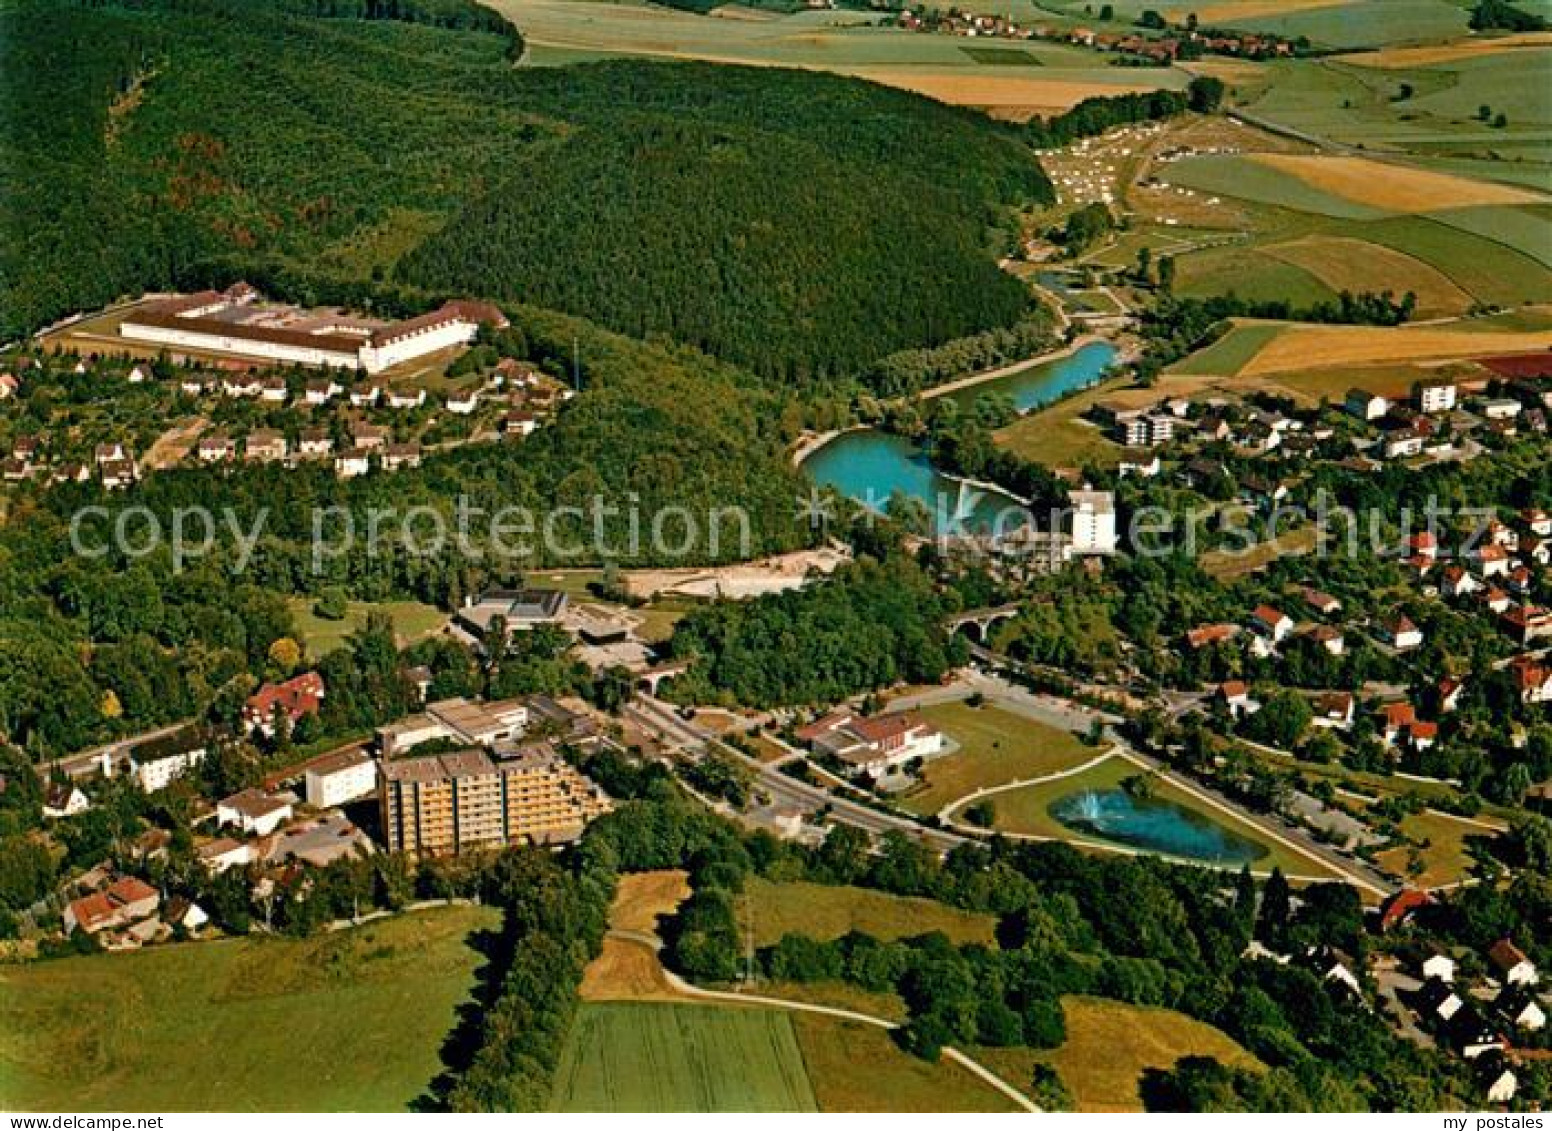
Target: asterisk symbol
(873,506)
(816,509)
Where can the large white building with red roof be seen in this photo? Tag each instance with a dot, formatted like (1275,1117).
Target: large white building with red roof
(873,746)
(233,322)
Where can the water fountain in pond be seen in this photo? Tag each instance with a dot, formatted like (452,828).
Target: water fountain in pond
(1090,806)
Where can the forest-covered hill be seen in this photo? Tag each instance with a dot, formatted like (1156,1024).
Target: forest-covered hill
(799,224)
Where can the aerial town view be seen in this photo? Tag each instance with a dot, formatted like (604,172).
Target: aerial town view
(779,556)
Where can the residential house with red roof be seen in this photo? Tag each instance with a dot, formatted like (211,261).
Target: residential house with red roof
(295,698)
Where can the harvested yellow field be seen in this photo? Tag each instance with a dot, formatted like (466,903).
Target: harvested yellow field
(643,896)
(626,970)
(1016,96)
(1395,188)
(1397,58)
(1310,347)
(1354,265)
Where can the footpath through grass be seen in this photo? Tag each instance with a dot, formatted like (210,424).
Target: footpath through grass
(351,1021)
(995,747)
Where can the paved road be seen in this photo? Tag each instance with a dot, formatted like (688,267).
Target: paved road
(1060,712)
(661,719)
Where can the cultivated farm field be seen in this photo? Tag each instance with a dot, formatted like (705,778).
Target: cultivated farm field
(630,1056)
(1043,78)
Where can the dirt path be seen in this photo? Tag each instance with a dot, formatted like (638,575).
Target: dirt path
(690,991)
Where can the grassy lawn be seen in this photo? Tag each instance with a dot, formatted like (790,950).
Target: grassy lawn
(825,912)
(1446,855)
(857,1067)
(411,622)
(1225,565)
(660,1057)
(995,747)
(1024,811)
(352,1021)
(1109,1046)
(1058,436)
(1232,352)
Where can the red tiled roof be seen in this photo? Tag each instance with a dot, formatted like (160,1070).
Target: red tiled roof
(1210,634)
(92,911)
(297,697)
(1401,905)
(130,889)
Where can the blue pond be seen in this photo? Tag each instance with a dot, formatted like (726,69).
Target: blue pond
(1153,824)
(1041,384)
(871,466)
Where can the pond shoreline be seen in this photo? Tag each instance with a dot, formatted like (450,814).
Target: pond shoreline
(985,375)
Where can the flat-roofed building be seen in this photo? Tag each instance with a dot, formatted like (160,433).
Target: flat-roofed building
(467,800)
(339,778)
(458,719)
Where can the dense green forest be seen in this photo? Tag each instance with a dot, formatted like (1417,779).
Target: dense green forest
(802,225)
(655,426)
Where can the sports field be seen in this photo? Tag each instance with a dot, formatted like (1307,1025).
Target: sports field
(351,1021)
(995,747)
(684,1058)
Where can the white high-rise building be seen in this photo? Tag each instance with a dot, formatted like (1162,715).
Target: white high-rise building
(1093,522)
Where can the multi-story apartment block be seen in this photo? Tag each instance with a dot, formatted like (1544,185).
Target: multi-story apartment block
(467,800)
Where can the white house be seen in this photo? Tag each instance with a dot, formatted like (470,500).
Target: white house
(1440,966)
(340,778)
(155,766)
(462,404)
(224,853)
(1365,405)
(352,462)
(1520,1008)
(1436,396)
(398,398)
(1270,623)
(1235,695)
(253,811)
(63,800)
(185,913)
(1400,633)
(1516,969)
(1500,1082)
(873,746)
